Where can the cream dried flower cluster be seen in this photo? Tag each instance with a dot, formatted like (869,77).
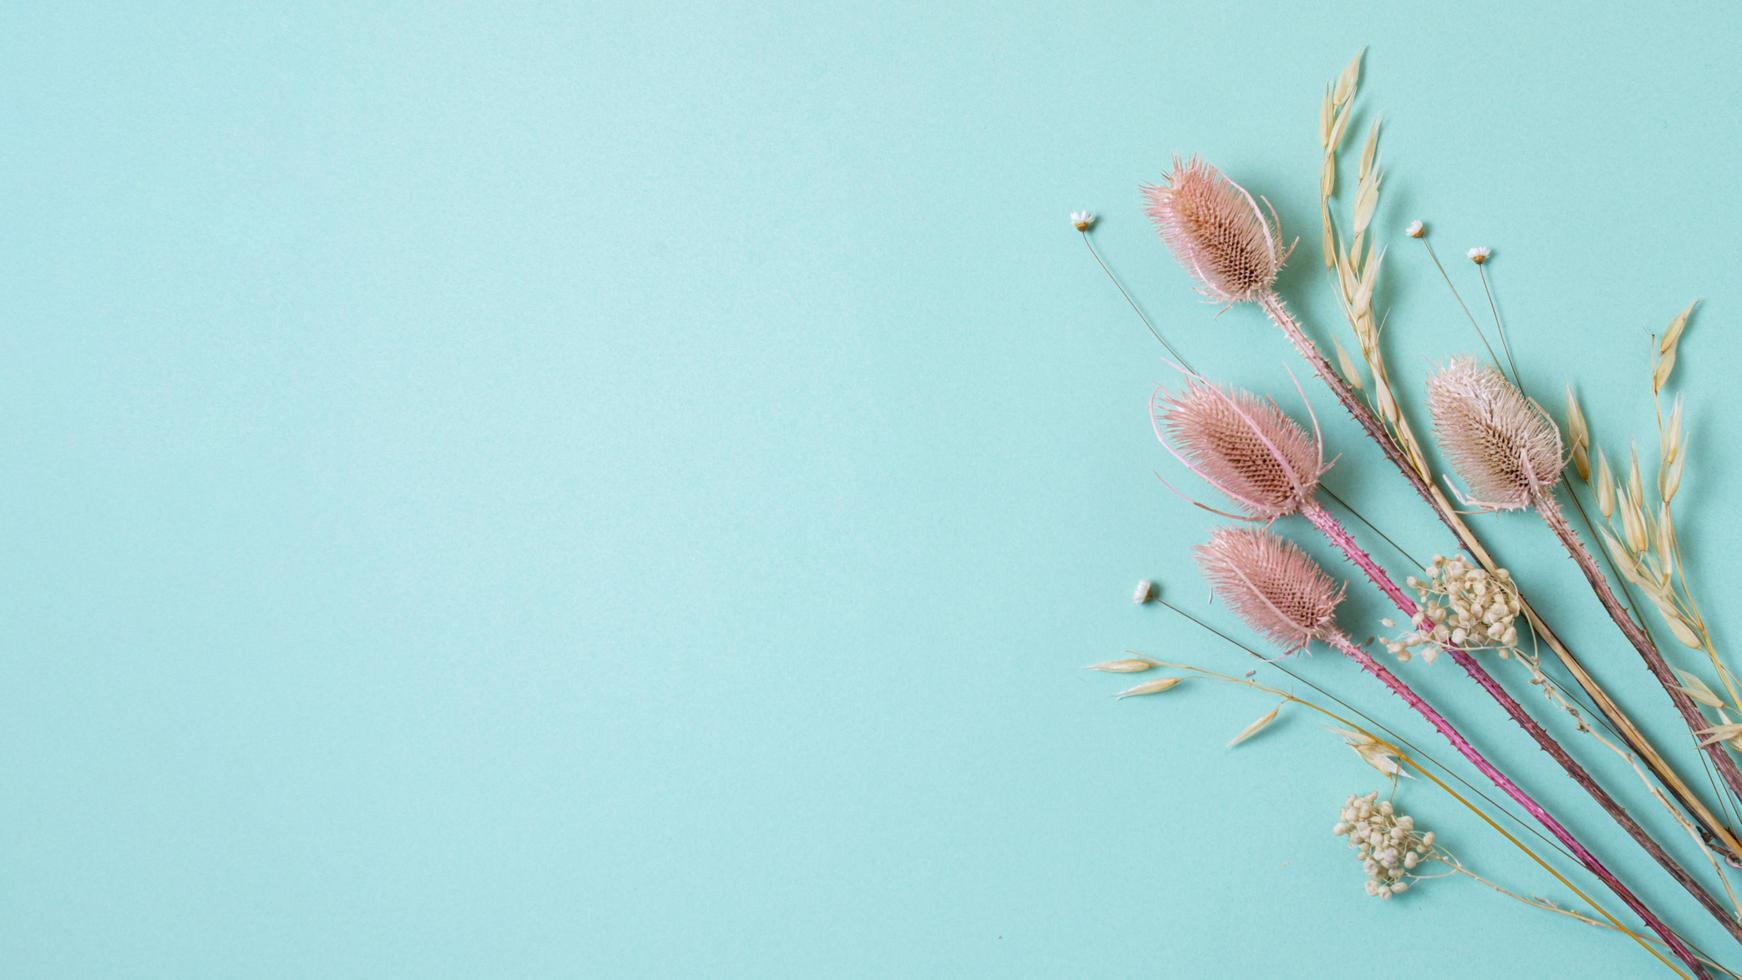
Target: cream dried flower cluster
(1385,843)
(1462,605)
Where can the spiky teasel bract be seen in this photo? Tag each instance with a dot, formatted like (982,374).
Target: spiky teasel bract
(1502,443)
(1217,231)
(1243,445)
(1271,584)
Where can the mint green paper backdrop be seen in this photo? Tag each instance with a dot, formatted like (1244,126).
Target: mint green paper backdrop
(572,489)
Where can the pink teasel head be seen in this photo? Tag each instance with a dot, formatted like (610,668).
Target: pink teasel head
(1217,231)
(1242,445)
(1503,444)
(1271,584)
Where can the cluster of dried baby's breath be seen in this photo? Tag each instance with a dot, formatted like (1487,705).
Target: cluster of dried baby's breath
(1385,842)
(1461,605)
(1354,263)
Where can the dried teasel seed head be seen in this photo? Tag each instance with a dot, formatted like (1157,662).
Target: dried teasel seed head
(1217,231)
(1271,584)
(1243,445)
(1503,444)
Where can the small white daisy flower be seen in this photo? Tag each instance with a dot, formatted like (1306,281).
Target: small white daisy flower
(1415,230)
(1082,220)
(1479,254)
(1145,591)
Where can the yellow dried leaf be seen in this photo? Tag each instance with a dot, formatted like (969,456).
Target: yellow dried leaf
(1351,373)
(1149,687)
(1669,479)
(1666,348)
(1256,727)
(1719,733)
(1698,690)
(1350,79)
(1578,436)
(1130,665)
(1366,201)
(1370,150)
(1605,487)
(1326,107)
(1363,301)
(1684,634)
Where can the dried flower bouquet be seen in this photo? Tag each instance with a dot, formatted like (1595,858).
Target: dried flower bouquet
(1509,454)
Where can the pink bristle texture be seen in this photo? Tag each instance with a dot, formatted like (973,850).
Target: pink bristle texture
(1271,584)
(1502,443)
(1217,231)
(1243,445)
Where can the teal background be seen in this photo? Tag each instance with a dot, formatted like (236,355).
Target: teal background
(553,490)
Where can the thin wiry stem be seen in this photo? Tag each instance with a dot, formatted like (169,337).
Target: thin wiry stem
(1499,327)
(1090,242)
(1467,539)
(1181,360)
(1725,800)
(1551,513)
(1342,644)
(1461,305)
(1340,538)
(1524,826)
(1340,502)
(1458,868)
(1603,705)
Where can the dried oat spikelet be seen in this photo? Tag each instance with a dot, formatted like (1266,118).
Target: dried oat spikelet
(1578,437)
(1502,443)
(1243,445)
(1271,584)
(1217,231)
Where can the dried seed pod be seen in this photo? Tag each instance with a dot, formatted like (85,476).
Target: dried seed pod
(1243,445)
(1217,231)
(1271,584)
(1503,444)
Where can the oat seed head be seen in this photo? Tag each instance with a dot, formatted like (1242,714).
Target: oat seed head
(1501,443)
(1243,445)
(1271,584)
(1217,231)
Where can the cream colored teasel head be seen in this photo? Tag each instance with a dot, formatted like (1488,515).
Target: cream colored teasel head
(1501,443)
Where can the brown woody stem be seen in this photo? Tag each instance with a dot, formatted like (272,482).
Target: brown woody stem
(1714,830)
(1550,509)
(1344,542)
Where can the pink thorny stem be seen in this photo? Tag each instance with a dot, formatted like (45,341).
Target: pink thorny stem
(1340,642)
(1339,536)
(1713,829)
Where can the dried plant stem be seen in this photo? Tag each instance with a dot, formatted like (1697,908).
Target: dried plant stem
(1090,242)
(1342,644)
(1405,759)
(1499,327)
(1625,728)
(1552,514)
(1480,333)
(1341,539)
(1457,867)
(1395,738)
